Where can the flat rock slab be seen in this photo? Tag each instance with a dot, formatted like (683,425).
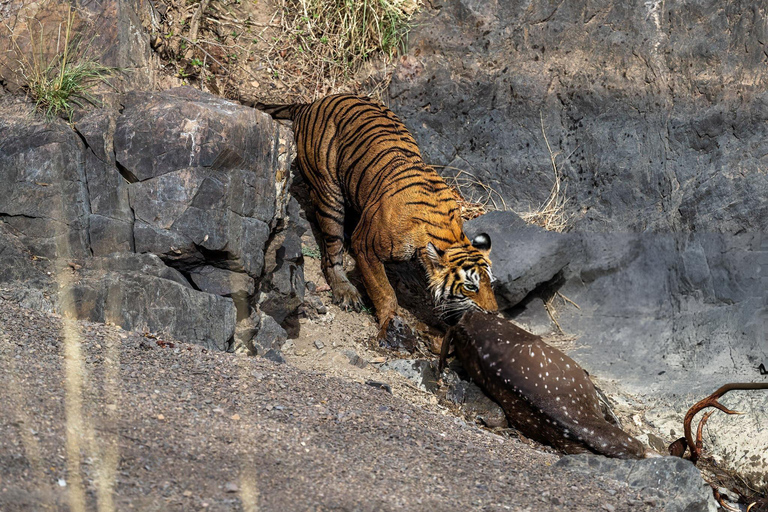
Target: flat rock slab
(187,429)
(690,492)
(139,292)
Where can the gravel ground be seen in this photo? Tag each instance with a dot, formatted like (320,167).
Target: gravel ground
(159,425)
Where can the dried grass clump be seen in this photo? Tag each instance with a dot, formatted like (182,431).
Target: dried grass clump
(551,215)
(475,198)
(324,43)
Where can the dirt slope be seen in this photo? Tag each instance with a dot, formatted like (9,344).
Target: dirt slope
(176,428)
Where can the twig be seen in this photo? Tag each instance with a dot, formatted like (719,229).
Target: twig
(194,25)
(204,51)
(566,299)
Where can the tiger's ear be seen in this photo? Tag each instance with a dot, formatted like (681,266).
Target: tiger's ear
(435,255)
(482,243)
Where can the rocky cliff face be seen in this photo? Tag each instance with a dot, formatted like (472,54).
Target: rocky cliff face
(655,111)
(655,115)
(158,216)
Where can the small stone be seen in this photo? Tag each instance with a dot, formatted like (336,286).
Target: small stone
(311,286)
(235,417)
(555,500)
(319,344)
(160,417)
(380,385)
(274,355)
(231,487)
(608,507)
(62,482)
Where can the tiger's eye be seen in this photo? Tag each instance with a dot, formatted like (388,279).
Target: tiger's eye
(470,287)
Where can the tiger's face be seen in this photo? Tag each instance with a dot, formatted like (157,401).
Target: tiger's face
(460,278)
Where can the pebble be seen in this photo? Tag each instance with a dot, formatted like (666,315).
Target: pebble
(608,507)
(380,385)
(319,344)
(231,487)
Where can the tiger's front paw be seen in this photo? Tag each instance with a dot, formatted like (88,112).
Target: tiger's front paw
(396,335)
(347,297)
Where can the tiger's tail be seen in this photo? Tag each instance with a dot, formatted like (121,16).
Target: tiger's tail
(278,111)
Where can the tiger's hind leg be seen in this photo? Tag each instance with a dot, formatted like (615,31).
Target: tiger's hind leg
(330,218)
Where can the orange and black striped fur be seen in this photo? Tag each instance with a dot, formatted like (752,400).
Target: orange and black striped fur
(356,154)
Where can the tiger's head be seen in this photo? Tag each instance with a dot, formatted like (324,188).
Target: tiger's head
(460,278)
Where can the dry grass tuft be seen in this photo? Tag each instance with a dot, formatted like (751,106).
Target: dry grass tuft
(475,198)
(53,70)
(323,44)
(551,215)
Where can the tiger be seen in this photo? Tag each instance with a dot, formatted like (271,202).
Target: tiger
(358,158)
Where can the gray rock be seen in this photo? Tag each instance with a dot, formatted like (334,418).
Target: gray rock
(44,197)
(354,358)
(270,336)
(138,292)
(222,282)
(204,187)
(524,256)
(203,178)
(640,143)
(198,130)
(676,482)
(421,372)
(282,289)
(18,264)
(186,216)
(316,304)
(111,220)
(274,356)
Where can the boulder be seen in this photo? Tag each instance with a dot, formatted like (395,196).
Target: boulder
(260,335)
(139,292)
(169,216)
(204,178)
(44,197)
(676,483)
(524,256)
